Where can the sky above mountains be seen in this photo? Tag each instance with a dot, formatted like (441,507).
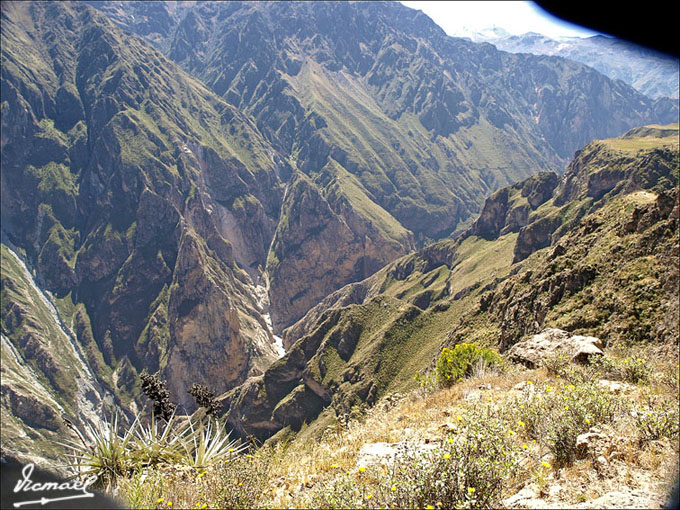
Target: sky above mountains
(464,18)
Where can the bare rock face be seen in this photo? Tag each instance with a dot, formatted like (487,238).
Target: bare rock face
(30,409)
(206,345)
(317,250)
(535,236)
(555,342)
(509,209)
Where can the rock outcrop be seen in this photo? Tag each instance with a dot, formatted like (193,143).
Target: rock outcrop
(552,343)
(508,209)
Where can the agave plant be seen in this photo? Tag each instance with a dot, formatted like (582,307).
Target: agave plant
(209,444)
(159,442)
(103,450)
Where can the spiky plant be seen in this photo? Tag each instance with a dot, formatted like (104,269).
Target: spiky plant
(159,442)
(102,450)
(154,388)
(205,397)
(209,443)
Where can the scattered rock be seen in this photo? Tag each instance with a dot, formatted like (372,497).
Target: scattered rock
(473,395)
(555,342)
(615,386)
(387,453)
(625,498)
(528,497)
(524,385)
(448,427)
(587,441)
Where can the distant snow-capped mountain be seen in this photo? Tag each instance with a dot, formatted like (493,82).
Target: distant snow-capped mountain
(653,73)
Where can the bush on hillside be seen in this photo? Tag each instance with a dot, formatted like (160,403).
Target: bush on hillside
(454,364)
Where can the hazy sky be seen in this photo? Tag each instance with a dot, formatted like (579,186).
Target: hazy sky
(514,16)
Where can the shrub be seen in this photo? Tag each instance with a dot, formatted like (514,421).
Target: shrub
(635,370)
(556,416)
(454,364)
(661,421)
(468,469)
(239,483)
(632,370)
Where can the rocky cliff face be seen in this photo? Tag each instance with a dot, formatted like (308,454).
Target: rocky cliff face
(508,209)
(141,201)
(401,129)
(168,219)
(652,73)
(603,264)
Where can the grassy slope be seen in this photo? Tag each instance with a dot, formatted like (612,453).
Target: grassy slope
(637,462)
(142,118)
(358,126)
(476,293)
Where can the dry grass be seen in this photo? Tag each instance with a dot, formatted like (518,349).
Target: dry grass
(325,472)
(422,416)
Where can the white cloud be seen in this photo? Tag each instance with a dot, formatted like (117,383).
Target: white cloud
(459,18)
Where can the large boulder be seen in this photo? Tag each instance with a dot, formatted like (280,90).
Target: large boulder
(551,343)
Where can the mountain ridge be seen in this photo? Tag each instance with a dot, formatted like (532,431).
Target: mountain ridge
(491,286)
(652,73)
(176,230)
